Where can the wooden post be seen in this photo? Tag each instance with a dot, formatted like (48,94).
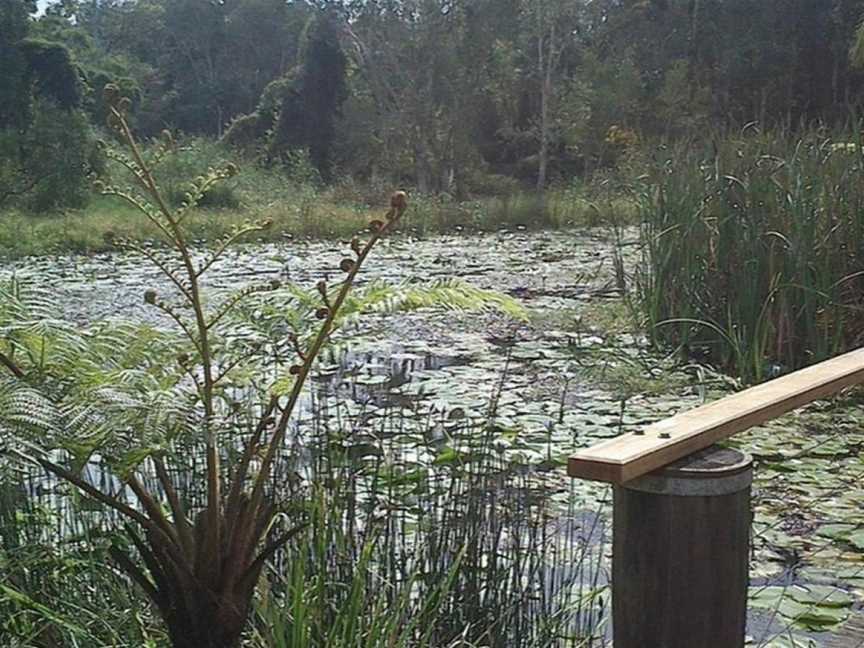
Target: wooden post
(681,534)
(680,554)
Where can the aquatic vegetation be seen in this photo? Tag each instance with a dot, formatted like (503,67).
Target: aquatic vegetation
(220,391)
(401,402)
(199,569)
(752,250)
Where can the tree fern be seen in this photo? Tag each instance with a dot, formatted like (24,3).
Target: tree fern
(24,410)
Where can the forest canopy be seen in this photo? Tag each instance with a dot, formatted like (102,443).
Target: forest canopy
(442,95)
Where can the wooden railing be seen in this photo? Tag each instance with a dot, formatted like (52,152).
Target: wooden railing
(682,512)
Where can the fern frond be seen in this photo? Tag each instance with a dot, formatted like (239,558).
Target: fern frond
(115,387)
(450,294)
(24,410)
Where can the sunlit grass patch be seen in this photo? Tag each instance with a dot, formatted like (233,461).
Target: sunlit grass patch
(299,212)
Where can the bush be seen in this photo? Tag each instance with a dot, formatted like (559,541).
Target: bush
(492,184)
(219,197)
(192,159)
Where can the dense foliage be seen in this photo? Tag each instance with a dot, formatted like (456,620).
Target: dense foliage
(445,96)
(46,149)
(222,392)
(198,459)
(754,250)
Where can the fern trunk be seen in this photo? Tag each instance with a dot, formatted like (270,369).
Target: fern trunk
(197,614)
(208,626)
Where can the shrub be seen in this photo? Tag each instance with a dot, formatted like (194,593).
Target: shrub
(193,158)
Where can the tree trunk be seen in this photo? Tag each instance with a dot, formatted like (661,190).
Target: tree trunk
(422,167)
(199,608)
(544,137)
(545,66)
(207,619)
(693,50)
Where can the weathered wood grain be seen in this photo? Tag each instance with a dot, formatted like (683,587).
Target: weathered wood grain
(631,455)
(680,558)
(851,635)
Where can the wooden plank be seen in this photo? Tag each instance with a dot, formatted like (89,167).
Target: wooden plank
(851,635)
(631,455)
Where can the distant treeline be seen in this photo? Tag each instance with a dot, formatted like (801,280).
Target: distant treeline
(454,96)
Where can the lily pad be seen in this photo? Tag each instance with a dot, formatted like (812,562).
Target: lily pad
(839,531)
(813,607)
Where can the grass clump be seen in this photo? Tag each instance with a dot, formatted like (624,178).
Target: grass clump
(54,589)
(754,249)
(457,547)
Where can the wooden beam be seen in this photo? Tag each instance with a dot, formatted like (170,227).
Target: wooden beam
(632,455)
(851,635)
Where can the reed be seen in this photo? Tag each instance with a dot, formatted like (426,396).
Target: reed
(754,249)
(414,540)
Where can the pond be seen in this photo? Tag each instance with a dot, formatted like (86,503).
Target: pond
(575,373)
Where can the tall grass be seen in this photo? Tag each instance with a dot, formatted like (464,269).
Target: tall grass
(419,537)
(460,548)
(307,213)
(754,249)
(55,590)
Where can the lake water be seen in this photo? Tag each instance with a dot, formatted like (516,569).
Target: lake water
(572,375)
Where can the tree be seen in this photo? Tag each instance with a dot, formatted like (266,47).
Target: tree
(45,142)
(46,165)
(31,66)
(313,98)
(549,22)
(14,19)
(197,65)
(547,43)
(424,64)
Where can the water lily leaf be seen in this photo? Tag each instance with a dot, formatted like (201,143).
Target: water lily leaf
(813,607)
(373,380)
(857,539)
(821,595)
(363,451)
(791,641)
(836,531)
(447,456)
(767,597)
(456,413)
(407,478)
(818,618)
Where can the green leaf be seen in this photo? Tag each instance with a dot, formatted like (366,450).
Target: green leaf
(857,539)
(26,602)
